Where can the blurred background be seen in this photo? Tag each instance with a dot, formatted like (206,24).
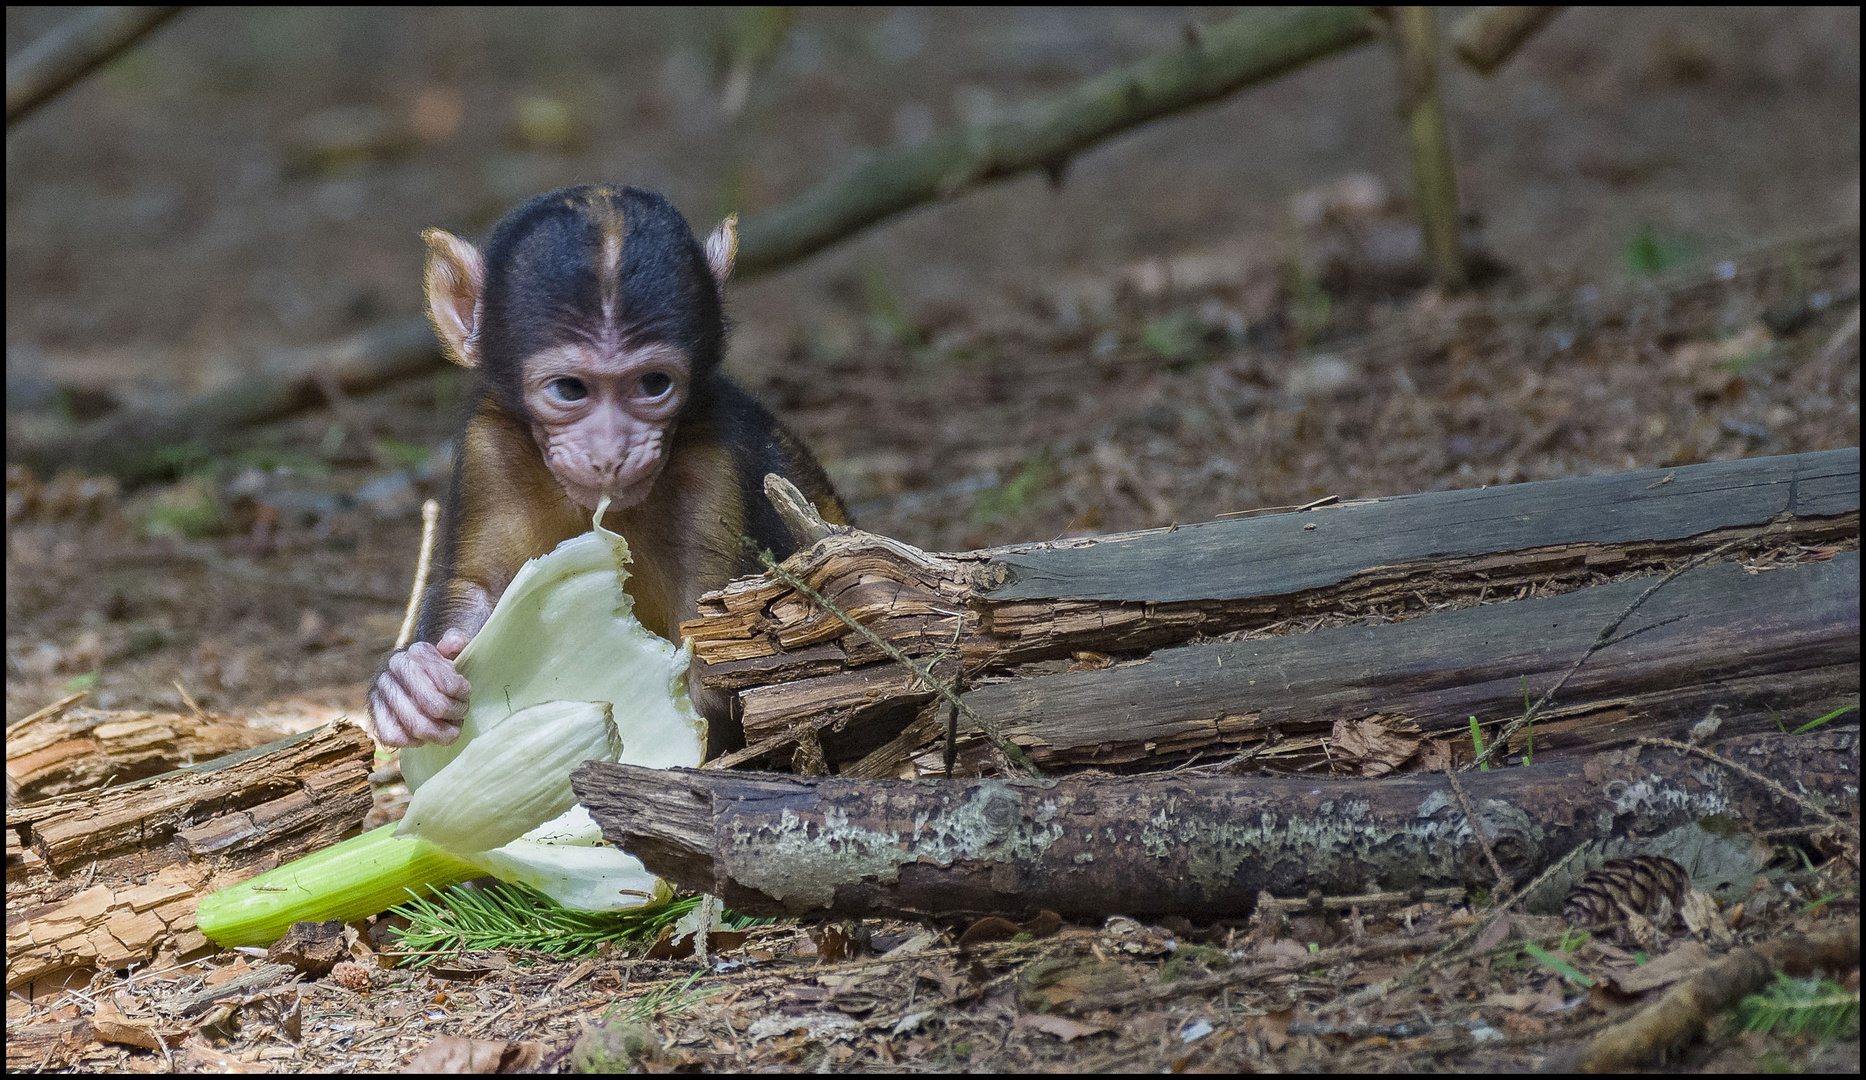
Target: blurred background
(1222,310)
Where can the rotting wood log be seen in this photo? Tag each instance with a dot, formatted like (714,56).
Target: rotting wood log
(108,878)
(280,800)
(1087,847)
(81,749)
(1008,612)
(1784,641)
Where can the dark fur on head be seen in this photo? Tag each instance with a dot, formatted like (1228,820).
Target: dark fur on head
(543,263)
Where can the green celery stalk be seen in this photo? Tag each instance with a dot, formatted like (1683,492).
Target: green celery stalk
(352,880)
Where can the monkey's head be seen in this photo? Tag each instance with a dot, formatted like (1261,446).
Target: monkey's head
(593,315)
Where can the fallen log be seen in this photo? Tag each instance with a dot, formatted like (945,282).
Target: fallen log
(108,878)
(140,444)
(1086,847)
(1785,640)
(1476,578)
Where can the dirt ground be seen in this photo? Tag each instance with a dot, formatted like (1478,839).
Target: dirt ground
(1222,311)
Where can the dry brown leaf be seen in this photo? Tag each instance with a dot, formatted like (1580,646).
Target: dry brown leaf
(1048,983)
(1273,1028)
(202,1058)
(988,929)
(452,1054)
(1702,916)
(1377,744)
(110,1025)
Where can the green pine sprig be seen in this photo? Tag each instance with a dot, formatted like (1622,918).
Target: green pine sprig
(508,916)
(1792,1006)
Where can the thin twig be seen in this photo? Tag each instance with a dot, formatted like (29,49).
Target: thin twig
(188,700)
(1449,953)
(1233,764)
(1601,641)
(430,513)
(1477,830)
(46,713)
(1151,995)
(1008,748)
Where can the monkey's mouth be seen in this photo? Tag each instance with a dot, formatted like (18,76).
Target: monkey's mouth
(626,482)
(587,491)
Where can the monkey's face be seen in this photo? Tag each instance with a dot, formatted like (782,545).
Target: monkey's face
(604,416)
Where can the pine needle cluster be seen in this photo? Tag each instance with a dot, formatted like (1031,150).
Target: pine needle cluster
(1792,1006)
(507,916)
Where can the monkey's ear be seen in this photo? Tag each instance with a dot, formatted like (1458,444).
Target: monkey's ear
(721,248)
(456,275)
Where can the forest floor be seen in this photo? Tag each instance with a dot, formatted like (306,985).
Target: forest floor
(1218,313)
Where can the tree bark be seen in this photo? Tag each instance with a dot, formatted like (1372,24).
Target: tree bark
(1309,594)
(772,844)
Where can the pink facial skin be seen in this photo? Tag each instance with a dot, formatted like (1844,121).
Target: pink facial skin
(420,698)
(604,417)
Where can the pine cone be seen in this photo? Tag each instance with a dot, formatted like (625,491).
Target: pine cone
(1649,885)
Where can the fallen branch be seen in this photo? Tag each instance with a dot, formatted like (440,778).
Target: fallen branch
(1680,1015)
(144,444)
(1214,62)
(73,49)
(1806,804)
(787,497)
(1601,641)
(1397,945)
(1174,843)
(1486,37)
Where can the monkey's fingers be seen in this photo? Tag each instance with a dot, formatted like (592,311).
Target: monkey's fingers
(402,722)
(430,679)
(391,726)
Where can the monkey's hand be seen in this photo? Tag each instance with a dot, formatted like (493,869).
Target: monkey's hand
(419,697)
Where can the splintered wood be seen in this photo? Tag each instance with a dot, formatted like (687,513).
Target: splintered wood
(83,748)
(1146,649)
(110,877)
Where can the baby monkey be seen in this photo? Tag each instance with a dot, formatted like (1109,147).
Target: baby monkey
(593,318)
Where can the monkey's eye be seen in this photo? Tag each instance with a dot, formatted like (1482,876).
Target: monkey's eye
(570,389)
(655,383)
